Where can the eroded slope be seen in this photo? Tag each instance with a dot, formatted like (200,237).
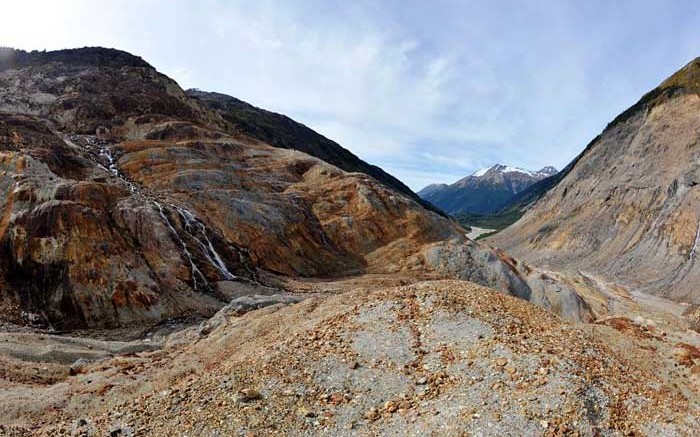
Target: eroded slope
(629,207)
(125,201)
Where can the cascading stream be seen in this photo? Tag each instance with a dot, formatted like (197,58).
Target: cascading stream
(194,227)
(114,169)
(195,270)
(694,250)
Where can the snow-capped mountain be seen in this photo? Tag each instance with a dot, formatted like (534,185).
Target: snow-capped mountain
(484,191)
(500,168)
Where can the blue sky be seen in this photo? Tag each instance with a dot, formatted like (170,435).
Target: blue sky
(428,90)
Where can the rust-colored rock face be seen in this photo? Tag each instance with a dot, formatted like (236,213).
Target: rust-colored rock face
(75,241)
(630,206)
(296,214)
(142,229)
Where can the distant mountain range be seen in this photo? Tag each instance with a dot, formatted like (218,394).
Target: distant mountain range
(485,191)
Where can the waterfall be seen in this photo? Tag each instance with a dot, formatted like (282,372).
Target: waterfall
(96,145)
(112,166)
(114,169)
(694,250)
(194,226)
(195,270)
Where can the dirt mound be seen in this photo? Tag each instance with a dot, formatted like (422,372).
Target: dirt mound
(440,357)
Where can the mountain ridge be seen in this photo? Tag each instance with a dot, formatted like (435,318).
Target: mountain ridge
(282,131)
(86,56)
(686,80)
(484,191)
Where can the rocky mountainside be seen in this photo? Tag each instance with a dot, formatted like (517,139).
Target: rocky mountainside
(628,207)
(486,191)
(125,201)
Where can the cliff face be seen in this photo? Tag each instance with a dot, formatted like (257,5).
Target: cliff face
(629,205)
(79,248)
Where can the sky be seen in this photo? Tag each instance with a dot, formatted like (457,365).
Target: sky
(430,91)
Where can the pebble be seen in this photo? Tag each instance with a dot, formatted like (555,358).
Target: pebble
(249,394)
(305,412)
(78,367)
(372,414)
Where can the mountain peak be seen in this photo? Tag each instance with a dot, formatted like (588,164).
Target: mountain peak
(684,81)
(484,191)
(11,58)
(504,168)
(481,172)
(548,170)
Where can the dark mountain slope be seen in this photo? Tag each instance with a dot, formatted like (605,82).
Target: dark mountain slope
(82,90)
(85,57)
